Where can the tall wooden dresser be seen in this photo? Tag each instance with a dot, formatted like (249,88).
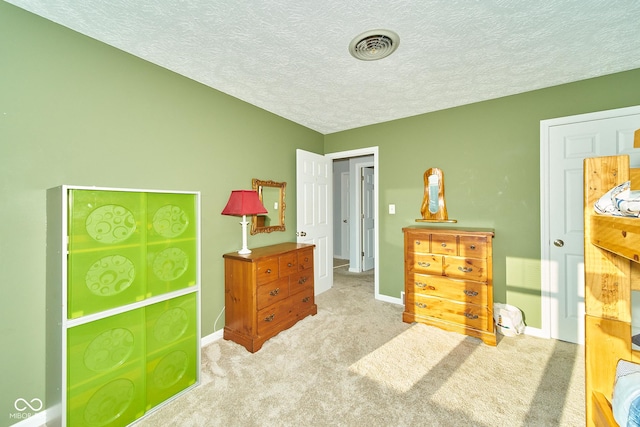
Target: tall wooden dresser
(267,291)
(449,280)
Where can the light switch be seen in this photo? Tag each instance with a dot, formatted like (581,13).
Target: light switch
(275,206)
(392,209)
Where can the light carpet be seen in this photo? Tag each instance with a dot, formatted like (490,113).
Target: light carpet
(356,363)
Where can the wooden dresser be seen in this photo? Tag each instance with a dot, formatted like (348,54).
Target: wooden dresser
(448,280)
(267,291)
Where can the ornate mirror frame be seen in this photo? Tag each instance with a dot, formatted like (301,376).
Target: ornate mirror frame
(275,213)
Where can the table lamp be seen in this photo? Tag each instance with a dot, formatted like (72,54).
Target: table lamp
(243,203)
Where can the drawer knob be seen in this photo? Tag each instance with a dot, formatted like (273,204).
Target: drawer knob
(472,247)
(465,269)
(417,242)
(305,299)
(268,271)
(470,293)
(421,305)
(471,316)
(444,245)
(306,259)
(270,318)
(424,264)
(421,285)
(289,264)
(302,281)
(274,292)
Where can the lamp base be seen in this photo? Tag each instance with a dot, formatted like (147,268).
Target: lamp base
(244,250)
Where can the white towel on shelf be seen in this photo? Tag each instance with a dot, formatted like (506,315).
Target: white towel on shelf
(619,201)
(626,394)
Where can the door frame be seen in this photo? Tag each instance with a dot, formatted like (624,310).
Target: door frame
(367,152)
(546,267)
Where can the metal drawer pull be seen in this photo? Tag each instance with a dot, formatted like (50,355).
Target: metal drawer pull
(465,269)
(473,247)
(470,293)
(270,318)
(417,242)
(424,264)
(268,270)
(444,245)
(302,281)
(289,264)
(425,286)
(421,305)
(471,316)
(306,259)
(305,299)
(274,292)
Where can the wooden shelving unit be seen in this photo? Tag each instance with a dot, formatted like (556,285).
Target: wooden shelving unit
(612,272)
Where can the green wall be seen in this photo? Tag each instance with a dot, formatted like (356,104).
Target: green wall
(76,111)
(490,155)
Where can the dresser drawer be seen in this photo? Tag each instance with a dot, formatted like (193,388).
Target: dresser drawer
(470,315)
(445,244)
(301,281)
(272,292)
(456,290)
(269,318)
(418,243)
(472,246)
(305,259)
(465,268)
(266,270)
(302,302)
(423,263)
(288,264)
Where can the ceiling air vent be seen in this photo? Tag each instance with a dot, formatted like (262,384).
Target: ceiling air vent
(373,45)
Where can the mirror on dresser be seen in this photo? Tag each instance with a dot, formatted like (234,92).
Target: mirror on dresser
(271,195)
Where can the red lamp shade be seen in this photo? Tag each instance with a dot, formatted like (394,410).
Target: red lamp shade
(244,202)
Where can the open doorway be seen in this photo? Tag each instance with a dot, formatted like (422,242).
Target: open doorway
(355,208)
(353,213)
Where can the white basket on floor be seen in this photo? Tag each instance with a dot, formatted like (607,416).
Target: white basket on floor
(508,319)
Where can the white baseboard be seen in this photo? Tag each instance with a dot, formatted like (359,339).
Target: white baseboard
(535,332)
(205,341)
(387,298)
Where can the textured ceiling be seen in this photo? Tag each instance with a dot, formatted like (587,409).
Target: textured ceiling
(291,57)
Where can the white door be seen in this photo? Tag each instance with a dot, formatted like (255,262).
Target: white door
(368,217)
(314,211)
(345,220)
(570,141)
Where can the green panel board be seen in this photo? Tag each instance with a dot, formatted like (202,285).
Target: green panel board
(172,344)
(107,250)
(125,246)
(171,242)
(105,366)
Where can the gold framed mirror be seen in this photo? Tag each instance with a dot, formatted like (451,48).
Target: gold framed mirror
(271,195)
